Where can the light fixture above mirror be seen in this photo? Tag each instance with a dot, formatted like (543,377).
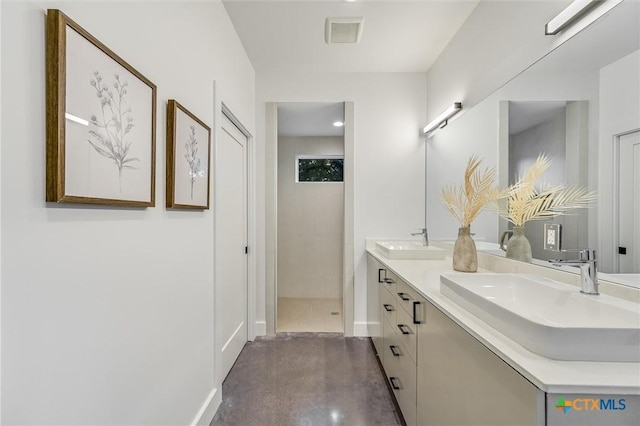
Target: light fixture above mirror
(443,119)
(571,14)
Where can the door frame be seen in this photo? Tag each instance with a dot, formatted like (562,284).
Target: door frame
(271,202)
(616,198)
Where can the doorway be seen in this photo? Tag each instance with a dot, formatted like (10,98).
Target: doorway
(310,217)
(627,250)
(275,221)
(231,251)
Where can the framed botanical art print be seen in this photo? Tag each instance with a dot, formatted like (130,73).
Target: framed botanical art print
(101,118)
(188,153)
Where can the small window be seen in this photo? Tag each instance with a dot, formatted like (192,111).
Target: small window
(327,168)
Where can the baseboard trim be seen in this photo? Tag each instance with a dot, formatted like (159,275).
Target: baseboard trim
(260,328)
(208,409)
(361,329)
(233,335)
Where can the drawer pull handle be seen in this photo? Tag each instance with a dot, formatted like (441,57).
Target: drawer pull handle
(415,313)
(394,350)
(393,383)
(389,281)
(380,271)
(388,308)
(404,329)
(404,296)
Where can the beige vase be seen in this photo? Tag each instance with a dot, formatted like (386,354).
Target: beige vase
(465,256)
(518,246)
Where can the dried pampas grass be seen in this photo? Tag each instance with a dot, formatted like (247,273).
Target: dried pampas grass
(525,202)
(479,190)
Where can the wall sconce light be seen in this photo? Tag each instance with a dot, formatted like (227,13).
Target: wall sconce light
(569,15)
(443,119)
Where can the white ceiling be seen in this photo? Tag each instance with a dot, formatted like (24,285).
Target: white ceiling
(398,35)
(310,118)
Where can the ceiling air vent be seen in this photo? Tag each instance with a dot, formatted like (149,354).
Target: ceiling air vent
(343,30)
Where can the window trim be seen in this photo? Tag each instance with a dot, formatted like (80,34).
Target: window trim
(316,157)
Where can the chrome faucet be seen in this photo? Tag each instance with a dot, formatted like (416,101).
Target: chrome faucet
(425,236)
(588,270)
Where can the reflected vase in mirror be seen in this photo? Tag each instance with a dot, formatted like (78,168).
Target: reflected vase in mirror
(518,246)
(465,256)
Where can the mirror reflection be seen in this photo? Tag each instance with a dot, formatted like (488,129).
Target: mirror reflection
(580,105)
(559,129)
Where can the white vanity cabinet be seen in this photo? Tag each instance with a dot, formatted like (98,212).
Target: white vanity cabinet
(396,315)
(449,367)
(439,373)
(461,382)
(375,276)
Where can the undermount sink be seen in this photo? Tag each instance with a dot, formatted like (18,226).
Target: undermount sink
(409,250)
(549,318)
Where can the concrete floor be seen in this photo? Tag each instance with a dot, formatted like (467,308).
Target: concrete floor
(306,379)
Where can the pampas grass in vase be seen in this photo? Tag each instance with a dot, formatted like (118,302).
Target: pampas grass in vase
(465,204)
(525,202)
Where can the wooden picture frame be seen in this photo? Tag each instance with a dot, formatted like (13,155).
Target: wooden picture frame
(101,121)
(188,159)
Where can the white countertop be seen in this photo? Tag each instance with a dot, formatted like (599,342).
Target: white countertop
(552,376)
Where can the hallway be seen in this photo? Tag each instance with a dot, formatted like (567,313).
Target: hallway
(306,379)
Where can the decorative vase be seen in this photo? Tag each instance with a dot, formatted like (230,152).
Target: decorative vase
(518,246)
(465,256)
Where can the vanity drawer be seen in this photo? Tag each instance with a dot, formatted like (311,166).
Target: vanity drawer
(401,374)
(389,339)
(388,304)
(406,296)
(406,331)
(388,280)
(392,347)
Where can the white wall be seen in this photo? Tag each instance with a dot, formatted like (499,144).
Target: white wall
(619,112)
(389,154)
(107,313)
(310,223)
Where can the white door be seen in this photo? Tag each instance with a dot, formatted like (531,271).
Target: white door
(231,242)
(629,204)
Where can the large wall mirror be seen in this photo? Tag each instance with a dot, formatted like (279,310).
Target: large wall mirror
(580,105)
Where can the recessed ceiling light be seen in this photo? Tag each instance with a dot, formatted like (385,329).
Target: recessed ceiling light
(338,123)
